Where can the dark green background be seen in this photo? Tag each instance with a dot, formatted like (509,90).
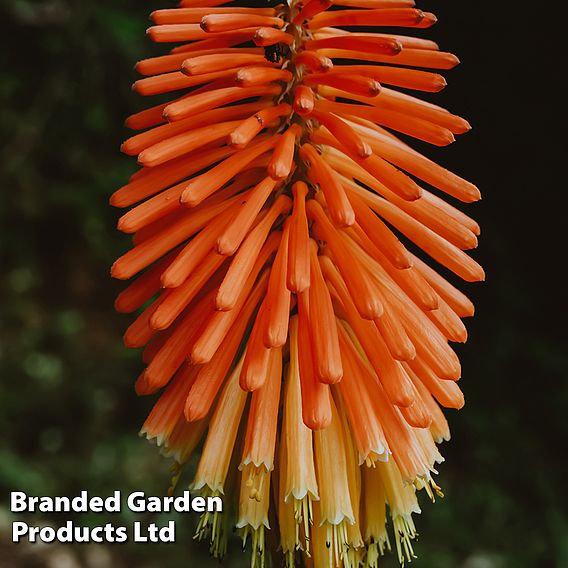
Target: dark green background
(69,415)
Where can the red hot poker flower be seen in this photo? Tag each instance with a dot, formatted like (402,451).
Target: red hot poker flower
(283,316)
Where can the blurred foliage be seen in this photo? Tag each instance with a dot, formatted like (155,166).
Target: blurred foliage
(69,414)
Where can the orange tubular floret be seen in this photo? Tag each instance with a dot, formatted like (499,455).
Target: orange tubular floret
(319,171)
(150,181)
(409,280)
(214,23)
(192,32)
(323,328)
(352,42)
(417,414)
(249,128)
(405,104)
(233,235)
(310,9)
(264,37)
(303,100)
(437,247)
(414,163)
(278,298)
(181,144)
(220,323)
(213,99)
(213,373)
(136,144)
(142,289)
(298,272)
(194,252)
(395,180)
(256,76)
(405,17)
(218,62)
(195,15)
(208,183)
(390,372)
(406,78)
(448,322)
(313,61)
(356,84)
(282,159)
(173,353)
(380,234)
(260,440)
(257,357)
(165,414)
(139,331)
(344,133)
(178,298)
(367,432)
(457,300)
(158,244)
(316,397)
(243,262)
(362,290)
(447,393)
(394,335)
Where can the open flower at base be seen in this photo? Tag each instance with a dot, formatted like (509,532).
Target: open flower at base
(280,223)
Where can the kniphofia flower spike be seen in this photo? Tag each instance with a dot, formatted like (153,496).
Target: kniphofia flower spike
(283,318)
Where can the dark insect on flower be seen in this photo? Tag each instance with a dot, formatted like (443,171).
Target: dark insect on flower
(273,53)
(284,319)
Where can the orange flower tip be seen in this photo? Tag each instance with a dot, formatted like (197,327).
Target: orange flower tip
(403,352)
(125,148)
(187,67)
(237,140)
(303,107)
(198,358)
(152,32)
(141,386)
(168,280)
(318,421)
(402,400)
(273,340)
(250,384)
(345,219)
(374,88)
(428,19)
(373,310)
(115,200)
(331,378)
(447,139)
(188,199)
(118,271)
(461,336)
(226,247)
(365,150)
(453,375)
(119,307)
(300,286)
(171,115)
(396,47)
(277,171)
(473,194)
(193,411)
(124,225)
(158,321)
(452,60)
